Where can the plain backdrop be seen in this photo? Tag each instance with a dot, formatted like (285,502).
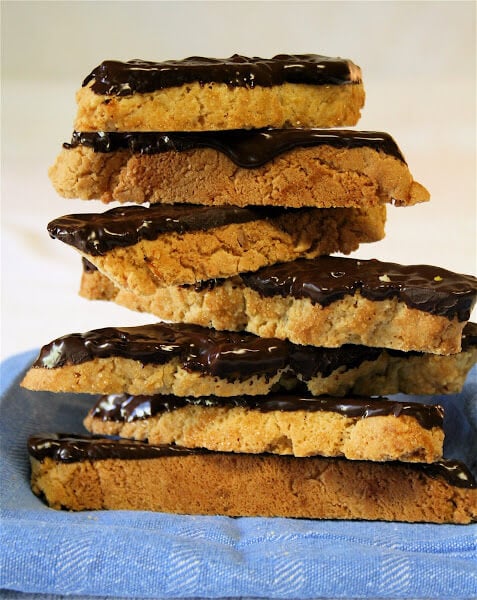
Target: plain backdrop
(419,69)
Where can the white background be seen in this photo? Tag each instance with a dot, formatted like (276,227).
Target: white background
(418,62)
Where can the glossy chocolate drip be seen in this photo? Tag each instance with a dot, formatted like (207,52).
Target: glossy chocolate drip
(117,78)
(326,279)
(309,361)
(88,267)
(227,355)
(128,408)
(66,448)
(97,233)
(246,148)
(469,336)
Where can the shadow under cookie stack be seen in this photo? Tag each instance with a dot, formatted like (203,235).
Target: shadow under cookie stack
(261,386)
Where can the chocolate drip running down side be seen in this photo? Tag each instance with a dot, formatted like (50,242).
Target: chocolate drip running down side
(245,148)
(97,233)
(117,78)
(327,279)
(228,355)
(126,408)
(68,448)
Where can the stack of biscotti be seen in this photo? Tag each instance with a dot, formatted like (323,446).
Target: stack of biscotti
(264,393)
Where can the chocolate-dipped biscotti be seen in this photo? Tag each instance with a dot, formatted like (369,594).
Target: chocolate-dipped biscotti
(80,473)
(200,94)
(322,168)
(284,423)
(188,360)
(328,301)
(266,395)
(143,248)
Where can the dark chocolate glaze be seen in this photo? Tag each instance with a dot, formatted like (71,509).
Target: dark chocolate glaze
(228,355)
(117,78)
(469,336)
(124,407)
(309,361)
(326,279)
(67,448)
(88,266)
(97,233)
(246,148)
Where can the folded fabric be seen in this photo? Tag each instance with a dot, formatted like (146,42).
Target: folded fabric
(141,555)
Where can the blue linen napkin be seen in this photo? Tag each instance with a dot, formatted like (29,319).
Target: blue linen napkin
(141,554)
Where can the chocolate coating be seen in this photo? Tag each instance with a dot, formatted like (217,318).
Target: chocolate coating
(67,448)
(227,355)
(326,279)
(469,336)
(117,78)
(97,233)
(246,148)
(123,407)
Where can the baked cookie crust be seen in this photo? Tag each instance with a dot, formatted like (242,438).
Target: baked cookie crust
(385,373)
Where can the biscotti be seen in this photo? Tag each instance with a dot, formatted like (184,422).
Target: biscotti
(294,424)
(159,359)
(143,247)
(328,301)
(186,360)
(266,394)
(274,167)
(354,369)
(79,473)
(197,94)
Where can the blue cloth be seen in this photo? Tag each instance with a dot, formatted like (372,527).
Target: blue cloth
(141,554)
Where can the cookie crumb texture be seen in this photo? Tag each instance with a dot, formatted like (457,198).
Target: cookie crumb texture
(217,106)
(249,485)
(118,375)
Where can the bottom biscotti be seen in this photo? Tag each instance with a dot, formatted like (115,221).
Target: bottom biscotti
(91,473)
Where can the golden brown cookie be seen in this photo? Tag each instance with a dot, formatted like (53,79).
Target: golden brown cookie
(132,475)
(201,94)
(327,301)
(143,248)
(300,425)
(362,370)
(321,168)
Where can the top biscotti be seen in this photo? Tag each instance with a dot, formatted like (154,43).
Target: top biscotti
(200,94)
